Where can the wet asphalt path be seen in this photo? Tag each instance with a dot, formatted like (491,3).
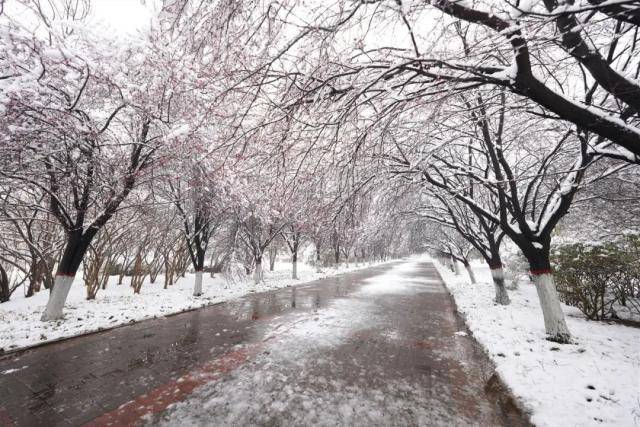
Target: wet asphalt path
(373,347)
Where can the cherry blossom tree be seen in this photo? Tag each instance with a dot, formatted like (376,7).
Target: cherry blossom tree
(83,127)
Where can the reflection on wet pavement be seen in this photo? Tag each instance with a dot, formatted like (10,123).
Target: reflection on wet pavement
(387,354)
(341,349)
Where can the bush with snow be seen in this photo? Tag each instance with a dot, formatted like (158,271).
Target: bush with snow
(596,277)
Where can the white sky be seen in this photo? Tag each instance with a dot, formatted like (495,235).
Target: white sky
(115,18)
(123,16)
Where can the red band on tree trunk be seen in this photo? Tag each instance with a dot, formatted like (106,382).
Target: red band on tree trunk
(495,267)
(66,274)
(541,271)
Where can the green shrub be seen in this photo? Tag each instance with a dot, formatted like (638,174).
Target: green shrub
(594,278)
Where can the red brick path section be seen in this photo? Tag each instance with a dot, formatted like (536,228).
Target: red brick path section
(134,412)
(5,419)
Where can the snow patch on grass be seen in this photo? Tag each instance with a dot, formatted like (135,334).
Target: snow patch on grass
(593,382)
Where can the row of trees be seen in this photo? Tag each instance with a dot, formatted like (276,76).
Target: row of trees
(166,237)
(497,114)
(135,156)
(302,121)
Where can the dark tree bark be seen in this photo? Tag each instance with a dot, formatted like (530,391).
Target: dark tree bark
(621,12)
(526,84)
(5,293)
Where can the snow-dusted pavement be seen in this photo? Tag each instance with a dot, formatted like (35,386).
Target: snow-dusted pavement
(381,346)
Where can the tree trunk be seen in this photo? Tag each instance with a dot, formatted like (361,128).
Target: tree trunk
(213,261)
(4,286)
(273,254)
(456,267)
(318,259)
(168,272)
(57,298)
(33,277)
(449,262)
(497,273)
(69,263)
(197,289)
(198,267)
(554,321)
(294,261)
(540,269)
(47,279)
(31,289)
(257,272)
(472,276)
(126,264)
(138,275)
(107,273)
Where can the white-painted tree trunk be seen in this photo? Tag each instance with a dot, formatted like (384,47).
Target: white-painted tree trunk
(294,270)
(456,267)
(472,275)
(197,288)
(257,273)
(57,298)
(448,263)
(318,260)
(554,321)
(502,297)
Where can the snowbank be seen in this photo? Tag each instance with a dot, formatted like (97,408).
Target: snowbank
(20,324)
(594,381)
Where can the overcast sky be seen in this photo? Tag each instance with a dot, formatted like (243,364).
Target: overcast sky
(125,16)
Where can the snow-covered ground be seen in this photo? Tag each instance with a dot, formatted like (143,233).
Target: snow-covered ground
(593,382)
(20,324)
